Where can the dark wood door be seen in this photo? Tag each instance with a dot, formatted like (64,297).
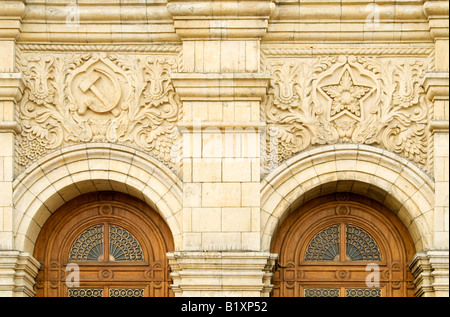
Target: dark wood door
(109,243)
(343,245)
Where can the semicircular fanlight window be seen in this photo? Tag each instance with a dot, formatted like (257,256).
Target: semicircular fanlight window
(360,245)
(88,246)
(123,246)
(324,246)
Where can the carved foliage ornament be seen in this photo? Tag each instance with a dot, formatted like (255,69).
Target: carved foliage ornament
(91,97)
(355,99)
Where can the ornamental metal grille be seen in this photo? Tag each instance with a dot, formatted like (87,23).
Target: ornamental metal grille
(324,246)
(322,292)
(363,292)
(360,246)
(123,246)
(86,292)
(89,246)
(126,292)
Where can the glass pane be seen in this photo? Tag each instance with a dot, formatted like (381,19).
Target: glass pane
(88,246)
(126,292)
(363,292)
(123,246)
(322,292)
(324,246)
(360,245)
(85,292)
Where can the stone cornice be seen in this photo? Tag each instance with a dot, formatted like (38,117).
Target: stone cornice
(284,50)
(436,85)
(430,268)
(11,86)
(10,127)
(218,20)
(220,86)
(437,12)
(243,271)
(274,21)
(123,48)
(439,125)
(22,268)
(10,19)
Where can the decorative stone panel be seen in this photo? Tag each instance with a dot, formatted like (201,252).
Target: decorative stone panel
(366,96)
(80,97)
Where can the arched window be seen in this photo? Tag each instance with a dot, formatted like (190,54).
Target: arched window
(357,245)
(122,245)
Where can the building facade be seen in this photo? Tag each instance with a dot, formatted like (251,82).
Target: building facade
(224,148)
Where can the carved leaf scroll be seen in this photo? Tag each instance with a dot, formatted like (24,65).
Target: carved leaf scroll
(97,97)
(333,99)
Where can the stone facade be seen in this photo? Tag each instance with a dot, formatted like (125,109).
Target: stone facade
(224,117)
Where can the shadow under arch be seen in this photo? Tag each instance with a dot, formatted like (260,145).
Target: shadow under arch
(67,173)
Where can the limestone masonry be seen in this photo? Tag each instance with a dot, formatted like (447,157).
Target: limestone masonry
(228,118)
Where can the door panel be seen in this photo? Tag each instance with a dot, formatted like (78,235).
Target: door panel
(117,244)
(342,245)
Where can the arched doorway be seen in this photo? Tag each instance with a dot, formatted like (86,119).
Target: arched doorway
(111,243)
(343,245)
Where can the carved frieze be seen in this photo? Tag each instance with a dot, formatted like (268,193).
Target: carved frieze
(98,97)
(375,100)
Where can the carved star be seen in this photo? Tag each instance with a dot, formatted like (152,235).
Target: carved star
(346,95)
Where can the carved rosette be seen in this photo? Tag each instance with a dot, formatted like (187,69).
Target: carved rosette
(347,99)
(98,97)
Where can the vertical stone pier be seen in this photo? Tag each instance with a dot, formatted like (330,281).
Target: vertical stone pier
(221,88)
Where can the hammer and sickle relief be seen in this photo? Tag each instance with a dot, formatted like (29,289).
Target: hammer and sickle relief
(108,97)
(97,88)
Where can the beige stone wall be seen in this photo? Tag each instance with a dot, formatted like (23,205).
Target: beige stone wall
(224,116)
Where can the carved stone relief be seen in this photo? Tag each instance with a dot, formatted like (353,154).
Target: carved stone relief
(347,99)
(98,97)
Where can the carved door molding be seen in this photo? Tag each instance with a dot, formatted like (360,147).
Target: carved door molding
(118,243)
(343,245)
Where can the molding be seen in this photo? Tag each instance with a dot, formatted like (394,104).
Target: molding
(430,269)
(152,48)
(12,8)
(306,175)
(10,19)
(312,51)
(220,86)
(12,86)
(435,84)
(439,126)
(10,126)
(437,13)
(18,271)
(214,271)
(118,168)
(217,20)
(220,125)
(170,21)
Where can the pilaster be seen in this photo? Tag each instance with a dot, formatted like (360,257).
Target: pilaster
(436,85)
(430,269)
(221,88)
(11,89)
(237,274)
(17,274)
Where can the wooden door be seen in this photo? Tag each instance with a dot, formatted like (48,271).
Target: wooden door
(111,243)
(343,245)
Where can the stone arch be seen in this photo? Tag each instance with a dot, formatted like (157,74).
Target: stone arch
(361,169)
(67,173)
